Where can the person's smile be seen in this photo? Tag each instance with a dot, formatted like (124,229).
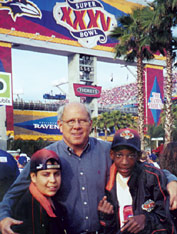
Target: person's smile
(52,188)
(77,134)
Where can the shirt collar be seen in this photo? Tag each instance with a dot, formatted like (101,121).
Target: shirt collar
(70,150)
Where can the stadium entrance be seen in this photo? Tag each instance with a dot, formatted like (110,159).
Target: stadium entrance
(76,29)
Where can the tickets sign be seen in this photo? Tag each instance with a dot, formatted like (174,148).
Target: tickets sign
(87,90)
(5,89)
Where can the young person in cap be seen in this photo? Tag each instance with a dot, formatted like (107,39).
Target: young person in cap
(37,207)
(136,198)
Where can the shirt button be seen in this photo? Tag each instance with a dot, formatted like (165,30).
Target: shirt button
(86,217)
(81,173)
(85,203)
(83,188)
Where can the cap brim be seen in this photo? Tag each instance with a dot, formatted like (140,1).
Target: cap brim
(126,144)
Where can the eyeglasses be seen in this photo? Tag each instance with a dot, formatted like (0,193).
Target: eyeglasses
(72,122)
(119,155)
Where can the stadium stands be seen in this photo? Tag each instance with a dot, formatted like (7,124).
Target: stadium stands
(122,95)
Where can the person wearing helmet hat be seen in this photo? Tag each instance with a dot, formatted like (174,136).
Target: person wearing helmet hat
(8,171)
(136,199)
(37,207)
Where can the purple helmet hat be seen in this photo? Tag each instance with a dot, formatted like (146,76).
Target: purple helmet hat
(40,158)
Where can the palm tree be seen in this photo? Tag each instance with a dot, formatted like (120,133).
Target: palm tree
(154,132)
(164,19)
(113,121)
(120,120)
(132,46)
(104,123)
(130,121)
(94,125)
(174,126)
(115,117)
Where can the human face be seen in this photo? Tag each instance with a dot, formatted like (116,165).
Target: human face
(47,181)
(125,160)
(75,136)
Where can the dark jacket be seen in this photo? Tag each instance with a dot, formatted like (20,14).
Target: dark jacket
(146,182)
(35,218)
(8,172)
(174,217)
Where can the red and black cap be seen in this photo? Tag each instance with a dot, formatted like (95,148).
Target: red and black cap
(127,137)
(40,158)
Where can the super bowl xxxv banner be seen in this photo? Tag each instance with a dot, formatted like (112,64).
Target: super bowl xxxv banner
(79,23)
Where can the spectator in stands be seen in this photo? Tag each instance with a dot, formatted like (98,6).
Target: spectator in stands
(119,95)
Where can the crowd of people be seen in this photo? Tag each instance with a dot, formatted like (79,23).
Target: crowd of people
(119,95)
(83,182)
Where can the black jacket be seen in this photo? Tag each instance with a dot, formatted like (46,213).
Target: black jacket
(35,218)
(146,182)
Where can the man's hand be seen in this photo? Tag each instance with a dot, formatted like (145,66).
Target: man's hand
(6,223)
(105,207)
(134,224)
(172,189)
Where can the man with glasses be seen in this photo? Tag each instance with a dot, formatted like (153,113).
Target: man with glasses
(85,170)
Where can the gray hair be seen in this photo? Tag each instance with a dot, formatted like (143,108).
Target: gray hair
(61,111)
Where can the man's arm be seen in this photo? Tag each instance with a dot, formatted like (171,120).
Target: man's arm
(170,177)
(17,189)
(172,188)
